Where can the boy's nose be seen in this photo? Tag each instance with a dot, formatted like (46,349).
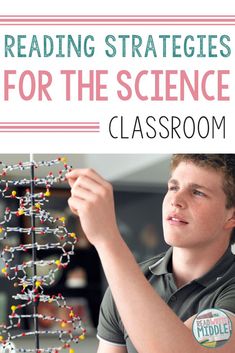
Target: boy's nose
(178,201)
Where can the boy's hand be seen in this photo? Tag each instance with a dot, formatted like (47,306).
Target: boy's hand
(92,200)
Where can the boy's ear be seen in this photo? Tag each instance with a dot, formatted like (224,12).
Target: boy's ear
(231,221)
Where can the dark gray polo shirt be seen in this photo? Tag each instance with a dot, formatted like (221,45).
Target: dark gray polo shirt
(215,289)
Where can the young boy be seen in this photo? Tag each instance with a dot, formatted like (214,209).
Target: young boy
(155,307)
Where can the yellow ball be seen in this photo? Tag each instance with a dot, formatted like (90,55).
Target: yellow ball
(21,211)
(13,193)
(71,350)
(63,324)
(38,284)
(82,337)
(4,270)
(1,339)
(64,159)
(62,219)
(13,308)
(72,235)
(57,262)
(37,205)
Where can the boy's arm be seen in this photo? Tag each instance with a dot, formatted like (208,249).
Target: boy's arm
(151,324)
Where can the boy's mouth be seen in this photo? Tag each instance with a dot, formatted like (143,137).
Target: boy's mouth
(176,219)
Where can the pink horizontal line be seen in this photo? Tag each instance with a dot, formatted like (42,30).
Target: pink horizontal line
(119,20)
(50,122)
(50,131)
(48,127)
(121,24)
(97,16)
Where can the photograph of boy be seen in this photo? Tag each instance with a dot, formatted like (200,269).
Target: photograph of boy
(150,308)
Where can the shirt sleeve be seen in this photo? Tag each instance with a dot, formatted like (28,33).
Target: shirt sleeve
(226,299)
(110,327)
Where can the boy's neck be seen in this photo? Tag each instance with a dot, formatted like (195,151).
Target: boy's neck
(189,264)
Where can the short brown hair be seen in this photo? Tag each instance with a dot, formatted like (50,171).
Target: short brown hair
(224,163)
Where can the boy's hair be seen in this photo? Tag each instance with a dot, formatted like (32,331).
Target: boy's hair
(224,163)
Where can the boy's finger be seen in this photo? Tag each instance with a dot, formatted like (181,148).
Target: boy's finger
(90,173)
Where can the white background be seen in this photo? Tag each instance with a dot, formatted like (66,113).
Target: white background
(121,7)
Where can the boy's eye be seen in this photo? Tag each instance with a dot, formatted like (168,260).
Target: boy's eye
(198,193)
(172,187)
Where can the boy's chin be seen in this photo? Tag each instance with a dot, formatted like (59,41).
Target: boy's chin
(176,241)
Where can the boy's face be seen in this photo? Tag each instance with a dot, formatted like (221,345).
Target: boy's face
(194,212)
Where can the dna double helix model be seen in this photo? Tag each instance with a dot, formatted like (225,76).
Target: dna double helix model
(26,274)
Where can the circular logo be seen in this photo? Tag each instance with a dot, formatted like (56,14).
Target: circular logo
(212,328)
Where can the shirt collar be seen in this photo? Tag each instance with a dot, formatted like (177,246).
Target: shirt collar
(162,267)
